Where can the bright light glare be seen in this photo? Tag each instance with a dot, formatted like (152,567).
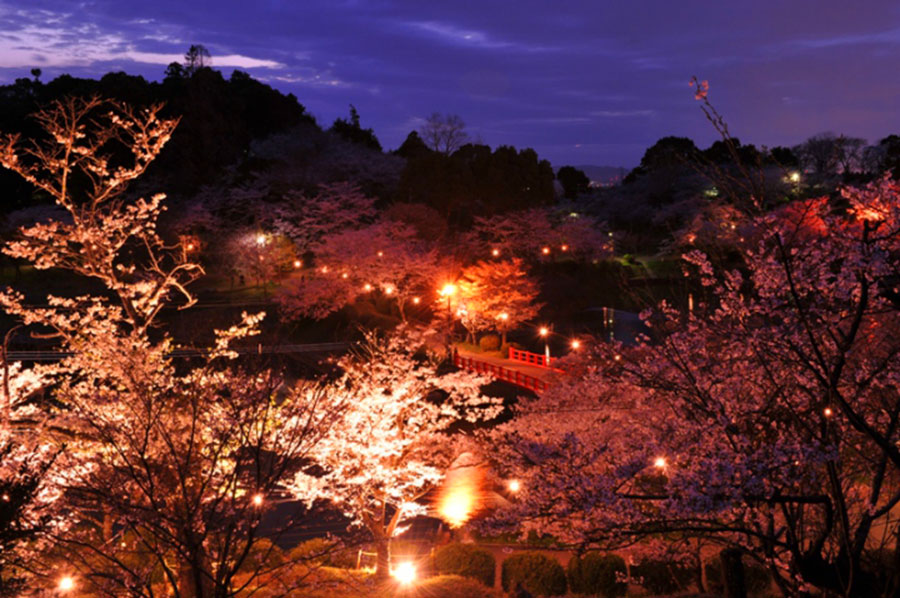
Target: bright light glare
(659,462)
(260,239)
(66,584)
(495,252)
(576,344)
(448,289)
(545,251)
(297,263)
(257,499)
(514,485)
(504,316)
(416,300)
(405,573)
(543,331)
(795,177)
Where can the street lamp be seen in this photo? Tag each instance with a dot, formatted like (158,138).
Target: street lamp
(448,290)
(544,332)
(66,584)
(514,486)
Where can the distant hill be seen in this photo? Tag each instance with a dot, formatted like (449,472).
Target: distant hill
(603,175)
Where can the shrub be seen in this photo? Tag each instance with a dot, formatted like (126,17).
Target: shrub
(466,560)
(540,575)
(662,577)
(595,573)
(452,586)
(489,342)
(756,578)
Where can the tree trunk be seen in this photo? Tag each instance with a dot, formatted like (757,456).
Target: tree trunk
(382,558)
(733,573)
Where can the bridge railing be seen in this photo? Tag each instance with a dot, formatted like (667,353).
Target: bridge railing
(499,372)
(536,359)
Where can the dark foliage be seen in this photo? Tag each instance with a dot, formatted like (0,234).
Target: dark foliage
(465,560)
(538,574)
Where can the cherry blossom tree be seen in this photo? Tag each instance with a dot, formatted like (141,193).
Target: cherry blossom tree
(539,234)
(393,444)
(170,465)
(766,420)
(385,257)
(497,294)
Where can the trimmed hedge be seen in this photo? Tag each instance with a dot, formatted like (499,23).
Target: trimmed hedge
(663,577)
(539,574)
(465,560)
(595,574)
(489,342)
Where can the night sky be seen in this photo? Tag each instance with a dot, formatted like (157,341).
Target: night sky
(582,82)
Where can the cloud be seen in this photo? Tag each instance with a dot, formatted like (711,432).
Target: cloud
(622,113)
(459,36)
(49,39)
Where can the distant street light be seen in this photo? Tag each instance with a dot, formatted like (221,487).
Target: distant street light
(260,239)
(514,485)
(66,584)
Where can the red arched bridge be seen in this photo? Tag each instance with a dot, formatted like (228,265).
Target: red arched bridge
(522,368)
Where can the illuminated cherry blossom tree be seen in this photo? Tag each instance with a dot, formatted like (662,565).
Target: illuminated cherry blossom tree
(539,235)
(394,443)
(170,465)
(385,257)
(767,420)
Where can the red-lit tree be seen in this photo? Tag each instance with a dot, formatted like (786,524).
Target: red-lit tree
(768,420)
(498,295)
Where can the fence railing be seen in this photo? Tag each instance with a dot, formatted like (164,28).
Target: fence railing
(499,372)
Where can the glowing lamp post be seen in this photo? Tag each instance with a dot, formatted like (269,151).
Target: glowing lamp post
(660,463)
(514,486)
(404,573)
(544,332)
(576,344)
(448,290)
(66,584)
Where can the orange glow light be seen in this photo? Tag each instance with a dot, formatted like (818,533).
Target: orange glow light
(257,499)
(367,287)
(297,263)
(660,463)
(565,247)
(416,300)
(66,584)
(576,344)
(545,251)
(504,316)
(448,289)
(495,252)
(543,331)
(514,485)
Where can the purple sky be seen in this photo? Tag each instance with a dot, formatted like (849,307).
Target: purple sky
(581,81)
